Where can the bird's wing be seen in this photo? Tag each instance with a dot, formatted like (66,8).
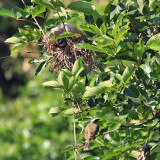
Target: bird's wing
(86,134)
(94,132)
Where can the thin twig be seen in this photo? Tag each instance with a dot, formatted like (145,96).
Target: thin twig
(24,3)
(39,26)
(79,154)
(26,21)
(36,22)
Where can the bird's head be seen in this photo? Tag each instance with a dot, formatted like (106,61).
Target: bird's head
(94,120)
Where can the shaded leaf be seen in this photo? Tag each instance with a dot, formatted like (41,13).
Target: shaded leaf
(5,12)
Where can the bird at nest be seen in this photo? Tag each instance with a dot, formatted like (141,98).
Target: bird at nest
(63,51)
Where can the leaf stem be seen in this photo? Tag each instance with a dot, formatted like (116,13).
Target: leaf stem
(75,139)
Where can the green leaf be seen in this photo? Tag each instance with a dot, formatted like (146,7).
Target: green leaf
(104,41)
(91,92)
(154,43)
(23,12)
(110,154)
(117,24)
(16,48)
(128,72)
(158,58)
(118,76)
(67,72)
(138,49)
(71,83)
(5,12)
(82,6)
(141,6)
(114,126)
(53,84)
(121,33)
(103,29)
(54,111)
(79,88)
(77,67)
(38,9)
(152,4)
(86,28)
(90,47)
(106,83)
(92,158)
(155,75)
(146,68)
(131,91)
(12,40)
(40,68)
(67,34)
(46,3)
(36,61)
(95,29)
(63,80)
(71,110)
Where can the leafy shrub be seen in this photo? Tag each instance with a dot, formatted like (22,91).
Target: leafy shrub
(122,90)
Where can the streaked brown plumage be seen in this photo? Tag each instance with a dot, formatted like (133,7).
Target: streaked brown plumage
(90,131)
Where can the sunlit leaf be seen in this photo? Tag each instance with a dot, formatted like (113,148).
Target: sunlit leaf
(121,33)
(53,84)
(54,111)
(90,47)
(82,6)
(141,5)
(91,92)
(77,67)
(128,72)
(152,4)
(154,43)
(67,34)
(12,40)
(71,111)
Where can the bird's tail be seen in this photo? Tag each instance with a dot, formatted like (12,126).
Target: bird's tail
(87,146)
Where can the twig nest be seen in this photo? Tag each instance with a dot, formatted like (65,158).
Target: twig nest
(64,52)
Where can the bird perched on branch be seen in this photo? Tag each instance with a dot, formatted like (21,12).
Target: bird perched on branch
(90,131)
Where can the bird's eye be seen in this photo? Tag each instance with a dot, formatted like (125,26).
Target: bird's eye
(61,43)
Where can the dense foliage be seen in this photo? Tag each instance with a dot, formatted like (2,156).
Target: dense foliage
(122,89)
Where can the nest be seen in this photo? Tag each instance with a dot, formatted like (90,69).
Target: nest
(66,56)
